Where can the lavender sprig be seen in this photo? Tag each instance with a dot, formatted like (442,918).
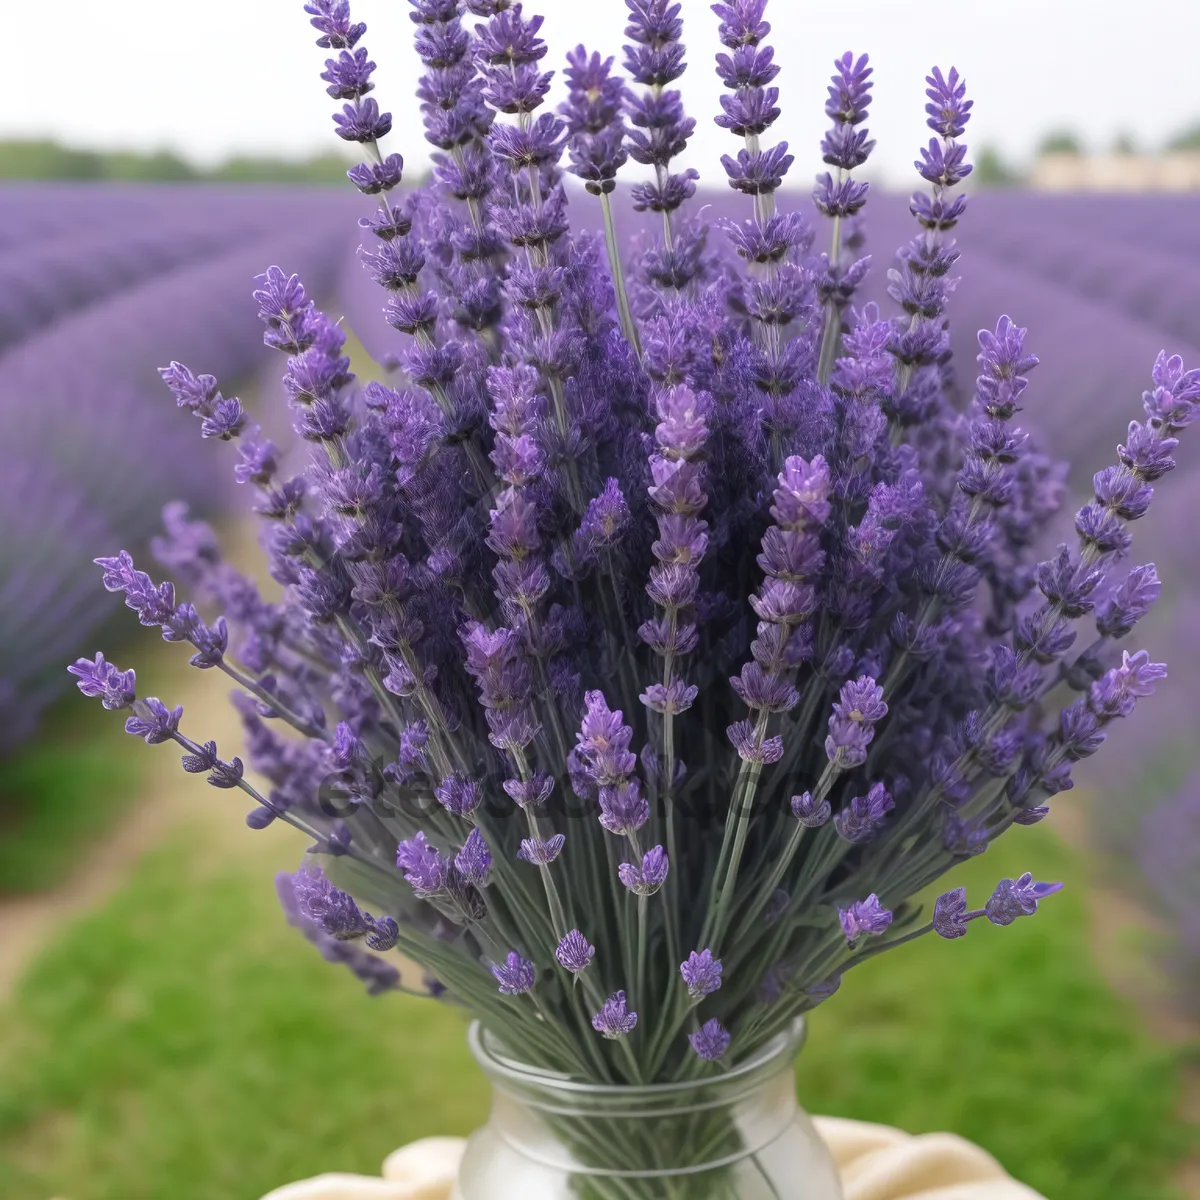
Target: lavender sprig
(660,134)
(596,131)
(780,297)
(838,196)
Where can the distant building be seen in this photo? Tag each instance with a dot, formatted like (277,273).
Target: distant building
(1172,171)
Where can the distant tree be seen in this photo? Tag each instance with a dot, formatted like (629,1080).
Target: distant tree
(1188,139)
(46,159)
(161,165)
(321,168)
(1124,144)
(1062,141)
(992,171)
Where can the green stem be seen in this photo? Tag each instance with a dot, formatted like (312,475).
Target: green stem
(624,311)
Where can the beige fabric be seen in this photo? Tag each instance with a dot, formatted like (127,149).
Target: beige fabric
(876,1163)
(880,1163)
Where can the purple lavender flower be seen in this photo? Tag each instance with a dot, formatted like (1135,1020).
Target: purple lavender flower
(1017,898)
(152,721)
(1118,691)
(623,809)
(426,869)
(115,688)
(530,793)
(614,1019)
(864,917)
(318,901)
(864,816)
(603,744)
(950,914)
(603,524)
(204,758)
(645,879)
(595,124)
(859,707)
(516,975)
(964,838)
(575,952)
(474,861)
(948,109)
(711,1041)
(378,975)
(845,147)
(702,974)
(809,812)
(331,18)
(541,852)
(458,795)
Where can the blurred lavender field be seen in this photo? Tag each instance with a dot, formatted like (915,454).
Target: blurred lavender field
(99,286)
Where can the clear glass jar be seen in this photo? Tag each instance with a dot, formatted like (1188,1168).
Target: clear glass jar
(736,1136)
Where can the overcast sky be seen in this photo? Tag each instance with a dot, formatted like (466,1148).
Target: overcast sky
(225,76)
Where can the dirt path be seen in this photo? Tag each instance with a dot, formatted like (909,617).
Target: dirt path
(169,796)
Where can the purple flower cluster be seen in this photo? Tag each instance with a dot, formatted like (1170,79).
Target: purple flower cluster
(648,646)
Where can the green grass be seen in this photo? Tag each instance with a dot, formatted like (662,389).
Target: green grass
(61,791)
(1011,1038)
(182,1043)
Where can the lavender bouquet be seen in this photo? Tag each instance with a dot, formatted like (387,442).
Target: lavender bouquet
(667,626)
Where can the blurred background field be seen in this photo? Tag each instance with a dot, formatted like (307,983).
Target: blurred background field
(162,1031)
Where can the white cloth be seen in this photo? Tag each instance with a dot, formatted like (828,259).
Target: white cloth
(876,1163)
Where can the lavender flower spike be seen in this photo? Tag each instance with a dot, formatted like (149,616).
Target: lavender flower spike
(864,816)
(711,1041)
(864,917)
(1017,898)
(950,915)
(425,868)
(115,688)
(575,952)
(336,912)
(809,812)
(702,974)
(378,975)
(614,1019)
(859,707)
(516,975)
(474,861)
(541,852)
(648,878)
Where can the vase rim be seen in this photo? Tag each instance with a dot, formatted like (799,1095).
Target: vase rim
(499,1066)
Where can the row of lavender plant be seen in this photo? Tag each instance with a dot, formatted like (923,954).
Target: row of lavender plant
(90,454)
(57,269)
(665,629)
(1156,284)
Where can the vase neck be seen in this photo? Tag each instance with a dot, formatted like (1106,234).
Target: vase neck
(669,1129)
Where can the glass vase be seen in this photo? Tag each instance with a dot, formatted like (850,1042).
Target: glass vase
(739,1135)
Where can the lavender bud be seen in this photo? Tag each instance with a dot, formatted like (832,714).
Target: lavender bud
(575,952)
(614,1020)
